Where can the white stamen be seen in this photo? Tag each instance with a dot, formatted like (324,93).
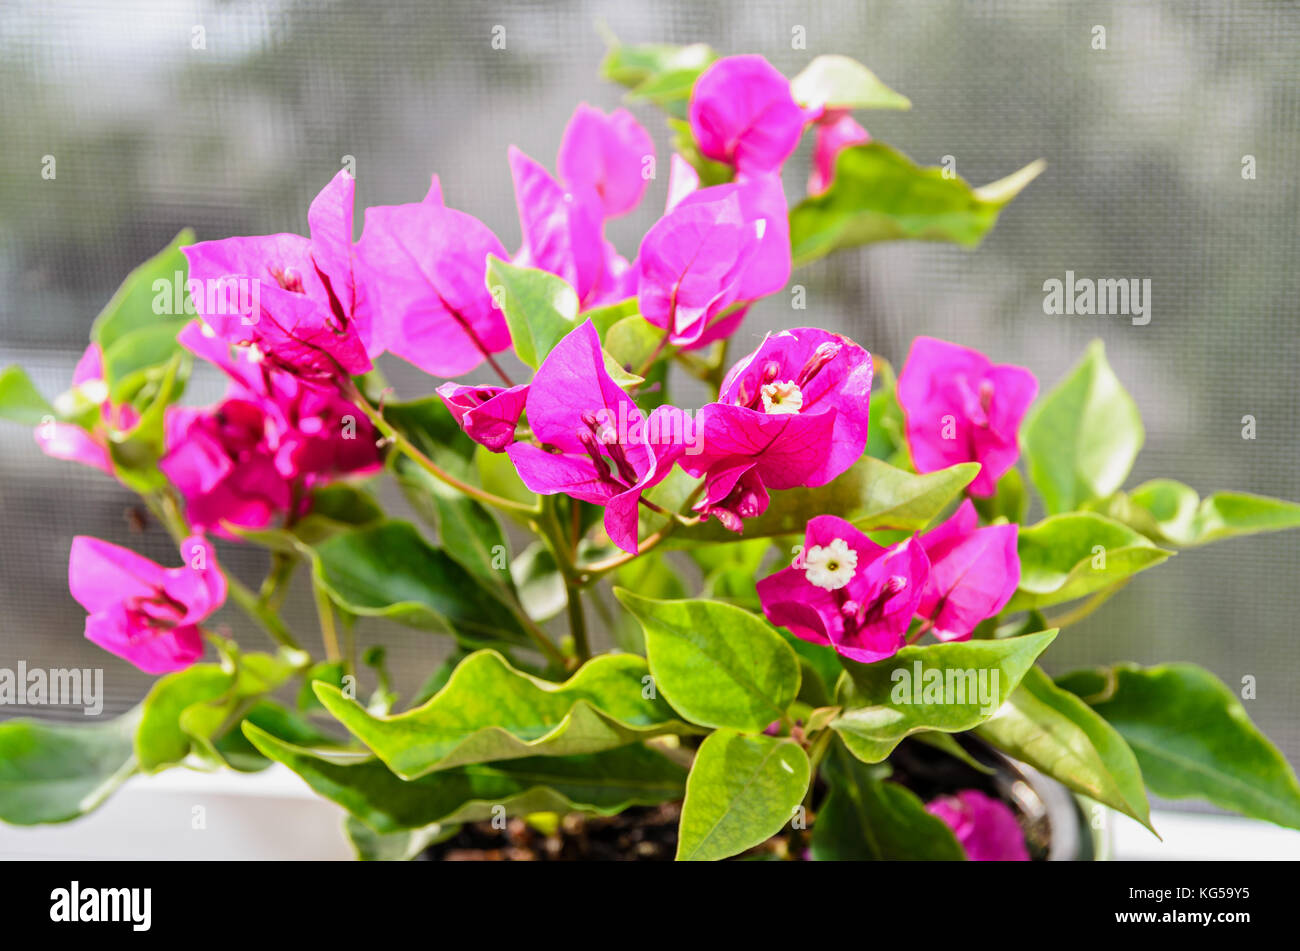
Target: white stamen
(781,397)
(830,566)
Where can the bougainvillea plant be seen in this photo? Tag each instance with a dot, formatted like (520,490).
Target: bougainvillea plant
(749,606)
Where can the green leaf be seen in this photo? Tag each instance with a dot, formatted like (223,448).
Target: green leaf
(187,711)
(539,307)
(387,570)
(1065,557)
(889,700)
(402,846)
(741,791)
(1192,738)
(838,82)
(234,750)
(138,303)
(1056,732)
(717,664)
(631,341)
(872,495)
(490,711)
(1170,512)
(53,772)
(1010,501)
(864,818)
(20,401)
(537,578)
(135,359)
(879,194)
(331,509)
(1081,438)
(658,72)
(601,783)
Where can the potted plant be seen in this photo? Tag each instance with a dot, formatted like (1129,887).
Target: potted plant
(801,620)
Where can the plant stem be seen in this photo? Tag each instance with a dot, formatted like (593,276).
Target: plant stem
(1092,604)
(264,617)
(329,635)
(578,625)
(423,461)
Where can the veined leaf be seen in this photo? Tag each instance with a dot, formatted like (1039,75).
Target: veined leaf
(879,194)
(946,687)
(1054,731)
(1192,738)
(1171,512)
(489,711)
(741,791)
(539,307)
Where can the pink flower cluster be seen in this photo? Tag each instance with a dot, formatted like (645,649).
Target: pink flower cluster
(290,318)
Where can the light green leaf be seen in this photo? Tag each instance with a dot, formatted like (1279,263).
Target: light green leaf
(1065,557)
(1173,513)
(1193,738)
(490,711)
(872,495)
(741,791)
(879,194)
(601,783)
(20,401)
(717,664)
(1056,732)
(1082,438)
(866,818)
(53,772)
(657,72)
(401,846)
(838,82)
(539,307)
(889,700)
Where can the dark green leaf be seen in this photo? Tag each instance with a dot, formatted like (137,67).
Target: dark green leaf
(1055,732)
(1193,738)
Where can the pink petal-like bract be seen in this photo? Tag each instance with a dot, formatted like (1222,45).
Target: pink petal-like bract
(959,407)
(144,613)
(973,573)
(986,828)
(608,154)
(742,113)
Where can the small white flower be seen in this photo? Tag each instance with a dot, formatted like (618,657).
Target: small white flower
(830,566)
(781,398)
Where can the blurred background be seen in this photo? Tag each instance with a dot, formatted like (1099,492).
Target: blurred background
(1144,142)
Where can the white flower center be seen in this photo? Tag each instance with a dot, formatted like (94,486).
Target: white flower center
(781,398)
(830,566)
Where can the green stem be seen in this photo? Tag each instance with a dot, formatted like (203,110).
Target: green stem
(1092,604)
(424,462)
(325,611)
(265,618)
(578,625)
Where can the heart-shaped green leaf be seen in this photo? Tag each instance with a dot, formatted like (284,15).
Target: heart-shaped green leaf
(1193,738)
(879,194)
(947,687)
(53,772)
(20,400)
(741,791)
(148,297)
(602,783)
(1082,438)
(1065,557)
(489,711)
(1054,731)
(717,664)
